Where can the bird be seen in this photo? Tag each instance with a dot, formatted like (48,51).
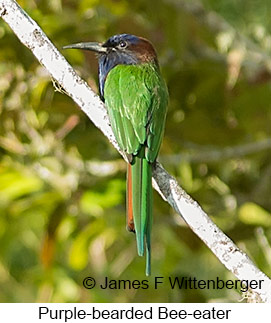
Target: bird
(136,98)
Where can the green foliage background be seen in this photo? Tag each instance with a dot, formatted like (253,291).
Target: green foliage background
(63,185)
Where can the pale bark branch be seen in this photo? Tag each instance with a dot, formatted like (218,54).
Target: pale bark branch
(225,250)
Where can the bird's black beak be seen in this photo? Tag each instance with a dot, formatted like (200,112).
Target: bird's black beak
(93,46)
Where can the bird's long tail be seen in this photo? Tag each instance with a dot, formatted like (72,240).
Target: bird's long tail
(139,205)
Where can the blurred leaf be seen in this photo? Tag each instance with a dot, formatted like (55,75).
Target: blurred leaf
(14,184)
(94,202)
(253,214)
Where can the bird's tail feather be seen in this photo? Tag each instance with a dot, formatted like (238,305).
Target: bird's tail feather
(142,206)
(129,199)
(146,210)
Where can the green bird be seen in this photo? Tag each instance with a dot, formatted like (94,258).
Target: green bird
(136,98)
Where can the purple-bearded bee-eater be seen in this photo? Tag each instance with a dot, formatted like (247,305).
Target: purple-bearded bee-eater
(136,98)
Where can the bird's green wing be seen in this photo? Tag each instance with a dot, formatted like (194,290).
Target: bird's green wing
(136,98)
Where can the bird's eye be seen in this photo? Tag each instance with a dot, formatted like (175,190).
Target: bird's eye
(122,44)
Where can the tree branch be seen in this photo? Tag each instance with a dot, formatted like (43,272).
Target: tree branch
(225,250)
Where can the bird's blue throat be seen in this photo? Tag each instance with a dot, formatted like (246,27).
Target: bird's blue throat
(109,61)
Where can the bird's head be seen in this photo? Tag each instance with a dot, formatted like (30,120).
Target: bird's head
(123,49)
